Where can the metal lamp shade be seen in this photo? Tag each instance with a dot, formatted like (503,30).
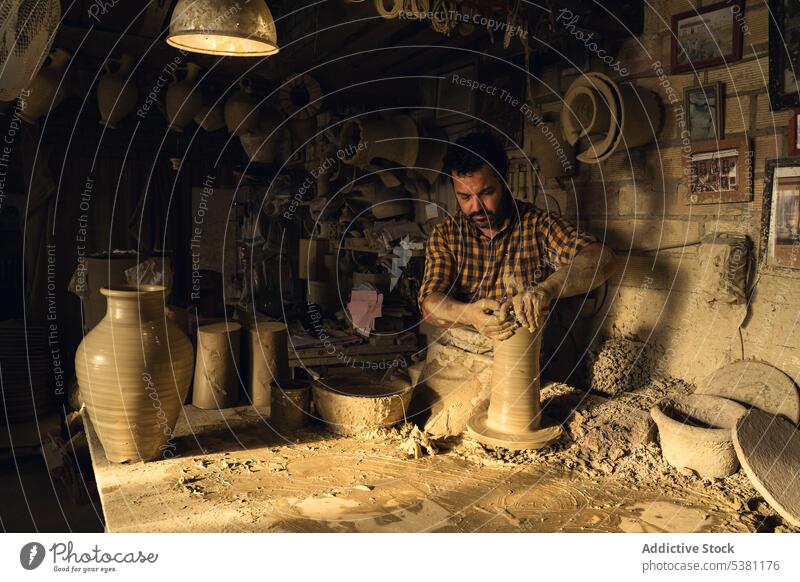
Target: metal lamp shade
(224,27)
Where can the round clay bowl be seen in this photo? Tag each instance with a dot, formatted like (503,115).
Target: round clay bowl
(350,405)
(696,433)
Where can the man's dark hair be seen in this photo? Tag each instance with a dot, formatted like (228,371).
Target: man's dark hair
(470,152)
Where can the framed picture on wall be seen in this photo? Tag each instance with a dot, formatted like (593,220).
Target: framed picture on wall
(707,36)
(781,214)
(784,53)
(719,171)
(794,133)
(704,112)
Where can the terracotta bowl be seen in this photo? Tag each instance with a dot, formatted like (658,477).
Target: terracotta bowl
(696,433)
(354,404)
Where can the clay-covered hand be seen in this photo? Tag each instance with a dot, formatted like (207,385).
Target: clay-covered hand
(531,308)
(491,319)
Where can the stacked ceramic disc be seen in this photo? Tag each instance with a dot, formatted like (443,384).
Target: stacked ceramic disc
(24,367)
(600,117)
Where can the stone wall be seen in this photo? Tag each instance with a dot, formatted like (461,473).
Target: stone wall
(637,199)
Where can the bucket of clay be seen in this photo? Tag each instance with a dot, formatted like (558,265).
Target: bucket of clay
(355,403)
(290,401)
(696,433)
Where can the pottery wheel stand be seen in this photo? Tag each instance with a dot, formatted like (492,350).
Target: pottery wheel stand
(514,420)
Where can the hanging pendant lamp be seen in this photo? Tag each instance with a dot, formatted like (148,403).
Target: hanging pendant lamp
(224,27)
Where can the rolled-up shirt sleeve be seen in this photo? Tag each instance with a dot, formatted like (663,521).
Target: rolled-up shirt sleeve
(439,265)
(562,241)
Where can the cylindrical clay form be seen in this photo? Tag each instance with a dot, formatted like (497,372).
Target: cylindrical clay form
(514,405)
(514,419)
(216,381)
(290,403)
(269,359)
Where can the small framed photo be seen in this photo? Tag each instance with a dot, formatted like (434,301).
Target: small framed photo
(707,36)
(794,133)
(780,245)
(719,171)
(704,112)
(784,53)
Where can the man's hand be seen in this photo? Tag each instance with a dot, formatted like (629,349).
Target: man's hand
(491,319)
(531,308)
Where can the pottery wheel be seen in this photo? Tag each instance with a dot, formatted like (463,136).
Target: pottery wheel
(758,384)
(514,420)
(549,432)
(768,448)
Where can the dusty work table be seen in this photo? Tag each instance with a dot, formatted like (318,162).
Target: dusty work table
(232,473)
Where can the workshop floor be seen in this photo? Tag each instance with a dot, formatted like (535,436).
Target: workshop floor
(234,475)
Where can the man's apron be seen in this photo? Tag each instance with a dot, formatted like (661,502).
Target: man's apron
(455,382)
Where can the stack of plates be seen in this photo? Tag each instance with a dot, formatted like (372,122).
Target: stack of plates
(25,391)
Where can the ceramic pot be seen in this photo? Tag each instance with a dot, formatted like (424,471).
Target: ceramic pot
(357,402)
(210,115)
(395,140)
(696,433)
(134,370)
(241,110)
(116,93)
(183,99)
(290,403)
(263,144)
(46,92)
(607,116)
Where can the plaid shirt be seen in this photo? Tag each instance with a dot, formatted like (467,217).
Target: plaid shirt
(466,265)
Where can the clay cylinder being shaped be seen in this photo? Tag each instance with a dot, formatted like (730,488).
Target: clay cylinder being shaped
(216,378)
(269,359)
(514,405)
(134,370)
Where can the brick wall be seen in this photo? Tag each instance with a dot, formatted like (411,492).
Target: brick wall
(636,199)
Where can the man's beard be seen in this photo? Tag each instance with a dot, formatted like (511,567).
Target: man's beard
(483,219)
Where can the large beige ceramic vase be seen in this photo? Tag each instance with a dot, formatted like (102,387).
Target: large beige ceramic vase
(134,370)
